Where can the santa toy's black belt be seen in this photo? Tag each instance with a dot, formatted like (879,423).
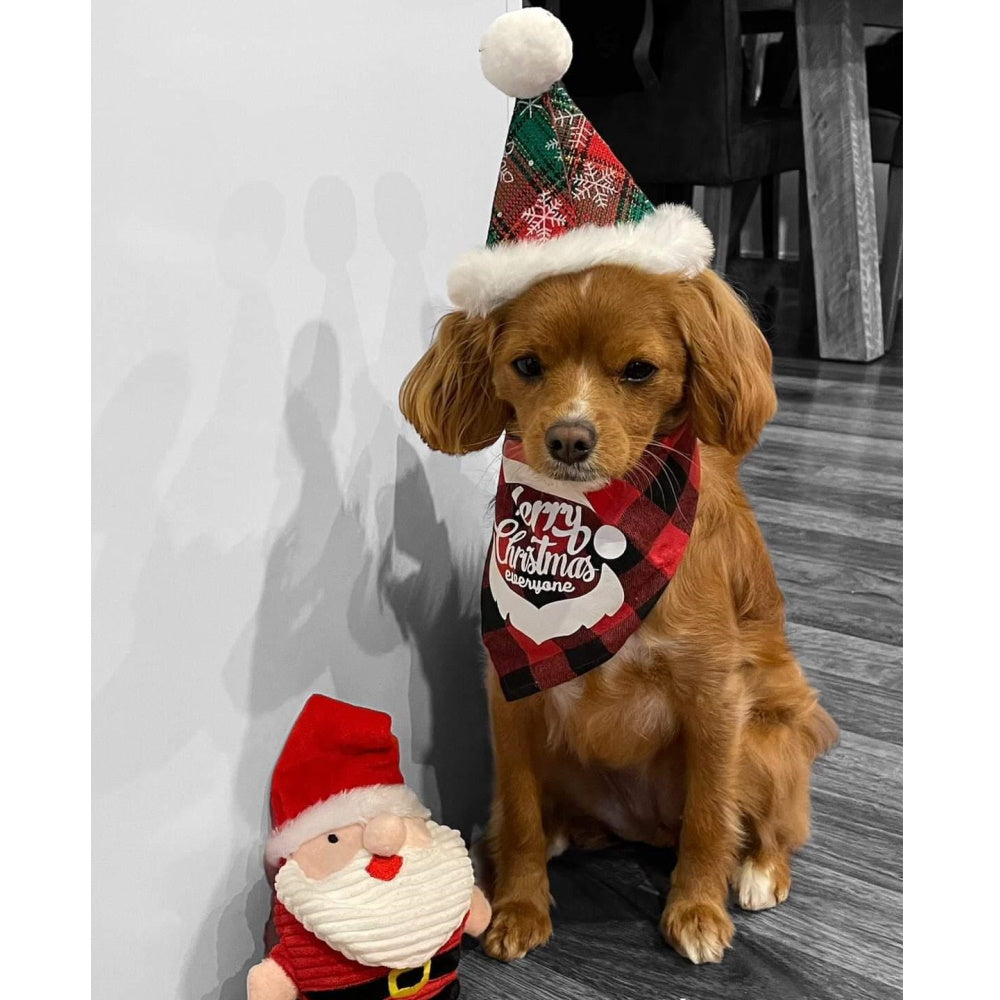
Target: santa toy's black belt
(399,983)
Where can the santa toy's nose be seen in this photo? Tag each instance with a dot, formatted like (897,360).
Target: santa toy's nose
(384,835)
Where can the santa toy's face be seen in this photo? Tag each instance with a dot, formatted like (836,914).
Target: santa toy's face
(389,892)
(383,837)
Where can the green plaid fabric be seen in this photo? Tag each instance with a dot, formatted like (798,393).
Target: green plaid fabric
(557,173)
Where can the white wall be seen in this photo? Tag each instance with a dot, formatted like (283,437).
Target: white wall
(279,189)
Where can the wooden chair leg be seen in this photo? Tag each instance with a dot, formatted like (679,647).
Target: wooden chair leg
(718,214)
(742,201)
(808,334)
(891,265)
(838,159)
(770,206)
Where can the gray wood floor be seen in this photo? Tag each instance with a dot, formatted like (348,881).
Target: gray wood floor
(827,486)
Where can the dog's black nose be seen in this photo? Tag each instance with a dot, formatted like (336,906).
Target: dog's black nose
(570,442)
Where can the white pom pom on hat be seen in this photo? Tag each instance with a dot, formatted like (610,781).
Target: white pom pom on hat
(525,51)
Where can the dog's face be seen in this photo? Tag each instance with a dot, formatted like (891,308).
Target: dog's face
(593,367)
(588,368)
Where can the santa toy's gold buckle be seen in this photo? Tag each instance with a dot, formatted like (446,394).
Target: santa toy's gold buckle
(396,991)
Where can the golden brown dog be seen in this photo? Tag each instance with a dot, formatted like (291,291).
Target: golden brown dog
(701,731)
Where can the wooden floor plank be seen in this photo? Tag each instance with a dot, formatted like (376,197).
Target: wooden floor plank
(826,651)
(835,840)
(871,912)
(847,417)
(795,513)
(844,599)
(830,547)
(863,503)
(860,707)
(838,398)
(864,424)
(886,373)
(817,468)
(853,451)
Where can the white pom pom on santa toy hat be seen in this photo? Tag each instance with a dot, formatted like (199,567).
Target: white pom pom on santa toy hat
(525,51)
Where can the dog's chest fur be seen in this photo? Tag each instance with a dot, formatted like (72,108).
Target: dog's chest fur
(612,737)
(613,715)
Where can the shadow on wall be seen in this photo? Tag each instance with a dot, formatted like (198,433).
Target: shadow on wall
(203,543)
(291,644)
(188,585)
(432,597)
(222,500)
(296,638)
(227,486)
(402,227)
(436,606)
(352,575)
(131,440)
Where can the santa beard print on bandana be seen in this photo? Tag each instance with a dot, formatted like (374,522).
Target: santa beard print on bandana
(545,573)
(571,573)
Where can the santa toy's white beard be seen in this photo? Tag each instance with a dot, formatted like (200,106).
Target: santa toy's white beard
(400,923)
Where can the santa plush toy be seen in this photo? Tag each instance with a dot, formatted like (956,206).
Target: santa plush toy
(371,896)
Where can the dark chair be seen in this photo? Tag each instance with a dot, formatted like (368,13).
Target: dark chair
(664,82)
(671,86)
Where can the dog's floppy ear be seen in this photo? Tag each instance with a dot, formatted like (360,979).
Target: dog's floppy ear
(730,390)
(449,397)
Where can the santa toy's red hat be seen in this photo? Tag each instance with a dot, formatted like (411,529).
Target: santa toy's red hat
(339,765)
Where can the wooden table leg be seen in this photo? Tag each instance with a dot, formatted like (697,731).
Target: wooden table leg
(841,191)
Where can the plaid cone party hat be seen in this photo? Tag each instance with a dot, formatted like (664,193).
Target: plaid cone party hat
(564,201)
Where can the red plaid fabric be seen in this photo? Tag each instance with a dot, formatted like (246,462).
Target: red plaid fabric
(570,574)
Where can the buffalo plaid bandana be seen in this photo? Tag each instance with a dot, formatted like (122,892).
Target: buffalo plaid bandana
(571,574)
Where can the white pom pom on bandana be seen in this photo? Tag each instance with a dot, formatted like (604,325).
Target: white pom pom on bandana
(525,51)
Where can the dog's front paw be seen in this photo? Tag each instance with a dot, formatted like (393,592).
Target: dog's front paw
(517,927)
(700,930)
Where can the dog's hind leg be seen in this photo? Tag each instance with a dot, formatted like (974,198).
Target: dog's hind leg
(774,799)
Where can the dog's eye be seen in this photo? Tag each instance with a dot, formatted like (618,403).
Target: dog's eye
(332,838)
(638,371)
(529,366)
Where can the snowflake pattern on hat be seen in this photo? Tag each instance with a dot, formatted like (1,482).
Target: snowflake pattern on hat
(544,218)
(557,174)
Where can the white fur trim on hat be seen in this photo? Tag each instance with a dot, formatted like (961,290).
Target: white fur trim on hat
(672,239)
(355,806)
(525,51)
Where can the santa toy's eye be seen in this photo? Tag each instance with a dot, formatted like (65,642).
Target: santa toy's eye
(332,837)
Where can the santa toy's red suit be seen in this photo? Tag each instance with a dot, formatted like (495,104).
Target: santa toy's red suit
(372,896)
(319,971)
